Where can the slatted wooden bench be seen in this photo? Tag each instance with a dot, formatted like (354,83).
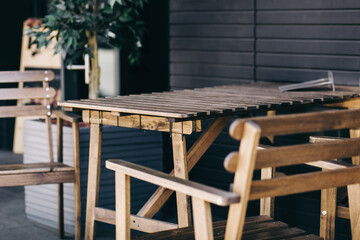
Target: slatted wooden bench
(41,173)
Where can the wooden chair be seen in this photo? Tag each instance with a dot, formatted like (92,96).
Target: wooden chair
(40,173)
(243,163)
(331,197)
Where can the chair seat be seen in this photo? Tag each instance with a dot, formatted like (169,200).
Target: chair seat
(258,227)
(35,173)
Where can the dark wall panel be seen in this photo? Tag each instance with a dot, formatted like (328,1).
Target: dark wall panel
(307,4)
(330,32)
(191,5)
(211,42)
(302,40)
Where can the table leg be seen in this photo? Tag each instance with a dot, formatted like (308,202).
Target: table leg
(161,195)
(93,179)
(181,171)
(355,133)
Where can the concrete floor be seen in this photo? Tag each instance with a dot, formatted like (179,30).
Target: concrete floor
(13,222)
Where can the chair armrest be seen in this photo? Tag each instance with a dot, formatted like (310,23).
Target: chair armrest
(68,116)
(207,193)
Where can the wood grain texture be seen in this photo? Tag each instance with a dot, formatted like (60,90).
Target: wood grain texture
(202,219)
(138,223)
(242,180)
(354,209)
(122,206)
(181,171)
(26,76)
(309,122)
(200,103)
(161,195)
(305,182)
(93,182)
(201,191)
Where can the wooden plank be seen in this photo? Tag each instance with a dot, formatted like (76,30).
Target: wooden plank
(161,195)
(181,171)
(278,234)
(354,209)
(141,122)
(202,219)
(342,212)
(306,237)
(26,76)
(142,224)
(24,93)
(254,224)
(213,195)
(242,180)
(297,154)
(68,116)
(116,108)
(94,180)
(304,182)
(355,133)
(122,206)
(328,213)
(60,186)
(287,124)
(37,178)
(27,110)
(7,169)
(77,183)
(267,205)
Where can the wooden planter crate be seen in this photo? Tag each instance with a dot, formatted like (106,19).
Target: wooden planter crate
(133,145)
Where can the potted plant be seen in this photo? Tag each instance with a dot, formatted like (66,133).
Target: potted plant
(80,24)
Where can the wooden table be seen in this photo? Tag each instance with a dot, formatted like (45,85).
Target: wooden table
(180,113)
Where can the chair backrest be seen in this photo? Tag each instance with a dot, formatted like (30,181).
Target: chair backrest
(250,158)
(44,93)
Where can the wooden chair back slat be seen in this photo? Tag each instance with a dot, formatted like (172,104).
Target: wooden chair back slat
(304,153)
(24,93)
(297,154)
(26,76)
(300,123)
(304,182)
(26,110)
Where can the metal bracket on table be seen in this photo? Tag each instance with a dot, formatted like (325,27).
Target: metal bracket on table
(313,83)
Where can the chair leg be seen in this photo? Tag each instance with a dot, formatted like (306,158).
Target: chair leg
(122,206)
(354,209)
(267,205)
(77,188)
(328,213)
(61,210)
(60,186)
(202,219)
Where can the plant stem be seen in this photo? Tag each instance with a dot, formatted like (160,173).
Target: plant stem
(94,62)
(94,67)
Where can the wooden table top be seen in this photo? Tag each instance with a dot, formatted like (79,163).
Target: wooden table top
(212,101)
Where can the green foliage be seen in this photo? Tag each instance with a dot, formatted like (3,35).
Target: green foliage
(118,22)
